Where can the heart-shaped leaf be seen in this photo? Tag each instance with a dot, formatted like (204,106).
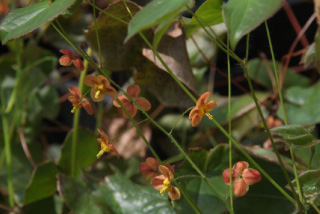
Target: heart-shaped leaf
(310,183)
(24,20)
(86,151)
(209,13)
(155,12)
(243,16)
(44,176)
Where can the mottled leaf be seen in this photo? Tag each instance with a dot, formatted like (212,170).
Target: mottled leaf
(309,182)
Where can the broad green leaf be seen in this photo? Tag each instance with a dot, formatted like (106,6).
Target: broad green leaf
(24,20)
(243,16)
(209,13)
(43,183)
(116,55)
(309,182)
(153,78)
(86,151)
(304,105)
(292,130)
(156,12)
(46,206)
(205,198)
(21,170)
(296,136)
(116,195)
(78,196)
(258,71)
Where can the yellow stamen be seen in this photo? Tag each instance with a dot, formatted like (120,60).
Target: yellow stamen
(166,186)
(209,116)
(99,89)
(75,107)
(104,148)
(101,152)
(97,94)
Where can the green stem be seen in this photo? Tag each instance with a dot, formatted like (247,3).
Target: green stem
(139,131)
(7,147)
(188,198)
(96,30)
(284,115)
(124,131)
(271,138)
(229,119)
(256,165)
(76,119)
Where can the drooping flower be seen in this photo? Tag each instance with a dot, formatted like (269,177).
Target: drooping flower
(78,101)
(100,87)
(105,146)
(201,109)
(163,181)
(133,91)
(242,177)
(149,169)
(70,58)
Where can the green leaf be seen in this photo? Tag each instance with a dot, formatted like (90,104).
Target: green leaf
(24,20)
(46,206)
(43,183)
(310,183)
(304,105)
(116,195)
(258,71)
(209,13)
(309,55)
(243,16)
(116,55)
(292,130)
(155,12)
(295,135)
(87,149)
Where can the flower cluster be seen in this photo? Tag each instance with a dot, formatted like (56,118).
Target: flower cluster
(242,176)
(161,177)
(100,87)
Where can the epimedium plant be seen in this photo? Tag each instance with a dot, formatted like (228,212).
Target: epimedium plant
(151,42)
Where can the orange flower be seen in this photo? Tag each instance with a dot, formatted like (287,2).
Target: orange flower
(163,181)
(79,102)
(202,108)
(242,177)
(149,168)
(105,146)
(70,58)
(100,87)
(133,91)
